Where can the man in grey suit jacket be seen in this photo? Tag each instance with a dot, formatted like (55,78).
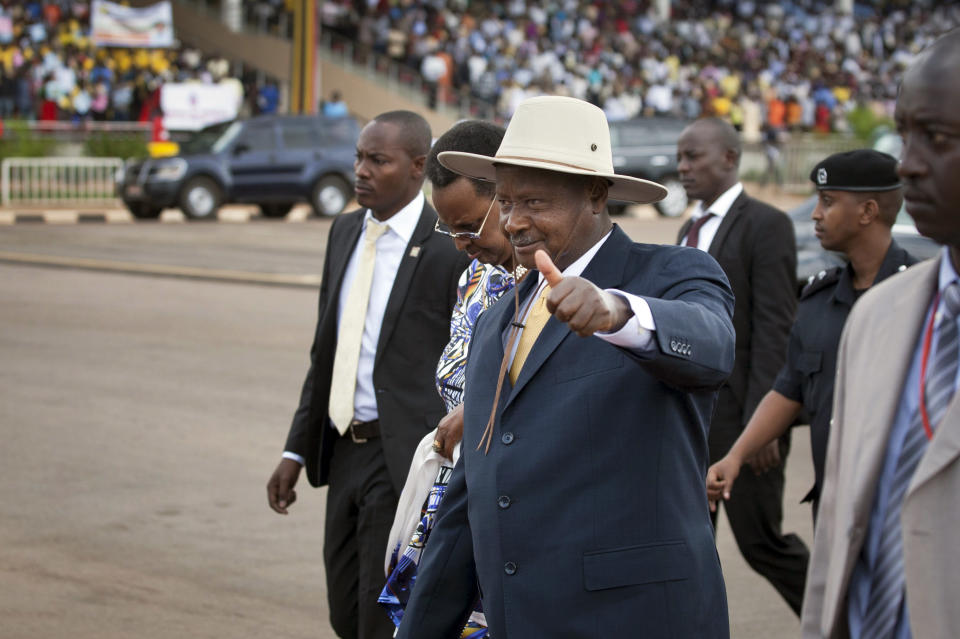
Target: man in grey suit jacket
(578,502)
(365,458)
(754,244)
(885,560)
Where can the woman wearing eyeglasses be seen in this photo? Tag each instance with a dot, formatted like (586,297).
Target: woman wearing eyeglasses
(469,214)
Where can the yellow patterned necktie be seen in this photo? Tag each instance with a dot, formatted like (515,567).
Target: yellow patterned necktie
(350,333)
(536,320)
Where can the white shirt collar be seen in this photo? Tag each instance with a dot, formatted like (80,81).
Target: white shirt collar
(948,273)
(404,222)
(723,203)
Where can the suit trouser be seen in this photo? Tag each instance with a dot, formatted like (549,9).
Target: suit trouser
(361,502)
(755,512)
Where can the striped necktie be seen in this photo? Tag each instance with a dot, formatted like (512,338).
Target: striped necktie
(885,607)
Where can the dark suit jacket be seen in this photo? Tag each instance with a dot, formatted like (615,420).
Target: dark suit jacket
(416,327)
(756,247)
(588,516)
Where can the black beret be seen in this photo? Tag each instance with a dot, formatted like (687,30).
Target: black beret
(860,170)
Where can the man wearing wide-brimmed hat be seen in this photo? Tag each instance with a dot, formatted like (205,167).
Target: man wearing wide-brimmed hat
(578,503)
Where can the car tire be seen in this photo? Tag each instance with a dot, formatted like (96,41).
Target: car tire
(676,202)
(143,211)
(200,198)
(617,208)
(330,195)
(275,210)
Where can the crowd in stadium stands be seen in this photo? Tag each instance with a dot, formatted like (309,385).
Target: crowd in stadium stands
(789,65)
(50,70)
(767,67)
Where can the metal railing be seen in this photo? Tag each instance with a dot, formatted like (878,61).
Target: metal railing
(58,181)
(797,156)
(401,78)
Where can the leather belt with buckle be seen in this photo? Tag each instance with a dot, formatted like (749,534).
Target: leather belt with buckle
(360,432)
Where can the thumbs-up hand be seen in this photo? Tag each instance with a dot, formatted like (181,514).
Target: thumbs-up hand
(579,303)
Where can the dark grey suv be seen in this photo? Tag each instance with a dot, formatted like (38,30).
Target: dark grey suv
(647,148)
(272,161)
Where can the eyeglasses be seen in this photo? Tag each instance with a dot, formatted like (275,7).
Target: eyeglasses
(439,227)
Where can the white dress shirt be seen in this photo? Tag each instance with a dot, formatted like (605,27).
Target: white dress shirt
(391,247)
(719,209)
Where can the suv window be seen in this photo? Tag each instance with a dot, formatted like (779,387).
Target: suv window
(645,133)
(340,131)
(300,134)
(259,137)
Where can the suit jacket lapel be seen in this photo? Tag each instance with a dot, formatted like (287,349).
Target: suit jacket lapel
(401,283)
(726,223)
(606,271)
(486,351)
(897,331)
(683,229)
(945,446)
(525,288)
(339,259)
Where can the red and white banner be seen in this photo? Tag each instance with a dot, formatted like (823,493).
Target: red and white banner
(114,25)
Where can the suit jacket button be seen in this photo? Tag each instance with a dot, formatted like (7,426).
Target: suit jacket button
(503,502)
(510,568)
(507,438)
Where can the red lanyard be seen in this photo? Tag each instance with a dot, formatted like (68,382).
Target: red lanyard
(927,338)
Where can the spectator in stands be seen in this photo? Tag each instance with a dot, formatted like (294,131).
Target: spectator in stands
(8,93)
(268,98)
(706,50)
(335,107)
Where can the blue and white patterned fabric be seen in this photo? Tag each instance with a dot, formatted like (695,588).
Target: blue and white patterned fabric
(480,286)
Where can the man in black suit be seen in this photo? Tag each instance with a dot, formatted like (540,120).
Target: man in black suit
(388,288)
(755,245)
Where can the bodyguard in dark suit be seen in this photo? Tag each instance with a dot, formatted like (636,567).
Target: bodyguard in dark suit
(388,287)
(859,196)
(578,502)
(755,245)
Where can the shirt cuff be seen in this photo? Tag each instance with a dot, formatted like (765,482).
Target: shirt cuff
(295,457)
(637,333)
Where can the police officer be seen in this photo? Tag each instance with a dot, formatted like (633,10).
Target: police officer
(859,196)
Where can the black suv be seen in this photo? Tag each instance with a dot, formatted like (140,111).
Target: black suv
(647,148)
(273,161)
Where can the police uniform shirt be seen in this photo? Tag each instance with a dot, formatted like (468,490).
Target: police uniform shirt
(807,375)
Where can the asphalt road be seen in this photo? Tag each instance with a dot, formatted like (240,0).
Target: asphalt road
(142,415)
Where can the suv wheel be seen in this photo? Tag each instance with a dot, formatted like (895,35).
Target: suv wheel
(675,204)
(330,195)
(275,210)
(143,211)
(618,208)
(200,199)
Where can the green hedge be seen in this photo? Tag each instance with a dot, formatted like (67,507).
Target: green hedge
(20,141)
(105,145)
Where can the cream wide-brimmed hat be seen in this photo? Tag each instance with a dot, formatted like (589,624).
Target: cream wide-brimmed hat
(559,134)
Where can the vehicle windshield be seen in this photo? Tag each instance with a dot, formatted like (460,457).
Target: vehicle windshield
(204,140)
(228,136)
